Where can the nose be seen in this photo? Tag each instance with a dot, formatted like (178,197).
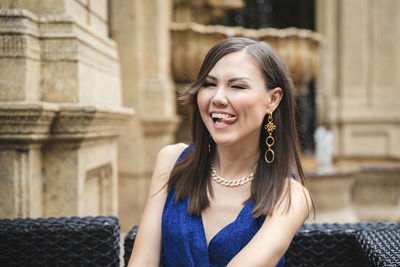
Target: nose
(220,97)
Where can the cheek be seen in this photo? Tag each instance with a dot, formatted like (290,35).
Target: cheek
(254,104)
(202,102)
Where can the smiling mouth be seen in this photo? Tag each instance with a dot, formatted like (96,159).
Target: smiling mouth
(223,118)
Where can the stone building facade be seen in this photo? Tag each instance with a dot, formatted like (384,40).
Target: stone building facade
(359,101)
(68,92)
(76,74)
(362,70)
(141,29)
(60,109)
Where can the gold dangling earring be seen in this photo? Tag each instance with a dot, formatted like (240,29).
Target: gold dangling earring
(209,144)
(269,141)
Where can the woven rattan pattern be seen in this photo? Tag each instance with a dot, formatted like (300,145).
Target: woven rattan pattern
(128,243)
(65,241)
(382,246)
(336,245)
(359,244)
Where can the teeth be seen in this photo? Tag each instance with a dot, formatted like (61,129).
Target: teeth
(220,116)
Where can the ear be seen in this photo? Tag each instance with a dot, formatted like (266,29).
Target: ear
(274,98)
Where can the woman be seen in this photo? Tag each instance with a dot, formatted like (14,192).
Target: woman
(230,197)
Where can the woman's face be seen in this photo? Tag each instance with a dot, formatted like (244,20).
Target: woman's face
(234,99)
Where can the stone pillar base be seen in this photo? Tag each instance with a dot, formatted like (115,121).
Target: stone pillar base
(332,195)
(58,160)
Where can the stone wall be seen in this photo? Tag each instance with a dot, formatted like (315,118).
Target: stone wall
(68,66)
(359,102)
(361,86)
(368,192)
(60,109)
(141,30)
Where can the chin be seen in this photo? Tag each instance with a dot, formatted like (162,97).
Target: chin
(225,141)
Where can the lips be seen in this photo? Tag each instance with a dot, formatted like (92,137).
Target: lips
(222,118)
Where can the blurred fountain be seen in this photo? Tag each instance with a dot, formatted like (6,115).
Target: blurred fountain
(324,150)
(298,48)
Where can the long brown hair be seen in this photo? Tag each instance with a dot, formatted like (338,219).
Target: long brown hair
(191,175)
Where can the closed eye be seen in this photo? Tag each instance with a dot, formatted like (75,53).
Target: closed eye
(239,86)
(208,84)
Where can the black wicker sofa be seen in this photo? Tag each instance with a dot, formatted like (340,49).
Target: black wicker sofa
(360,244)
(95,241)
(65,241)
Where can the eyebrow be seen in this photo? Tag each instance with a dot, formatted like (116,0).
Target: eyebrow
(230,80)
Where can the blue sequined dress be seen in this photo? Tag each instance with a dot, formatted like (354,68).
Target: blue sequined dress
(184,241)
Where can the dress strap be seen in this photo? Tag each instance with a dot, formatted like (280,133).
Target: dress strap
(183,153)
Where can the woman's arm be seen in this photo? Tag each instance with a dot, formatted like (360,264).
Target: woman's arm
(272,240)
(147,247)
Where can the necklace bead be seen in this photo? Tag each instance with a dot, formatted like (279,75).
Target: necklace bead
(230,183)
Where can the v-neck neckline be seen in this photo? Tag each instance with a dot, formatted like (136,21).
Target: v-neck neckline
(223,228)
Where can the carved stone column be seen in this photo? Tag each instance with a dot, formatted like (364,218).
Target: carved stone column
(80,161)
(143,46)
(23,128)
(60,109)
(157,108)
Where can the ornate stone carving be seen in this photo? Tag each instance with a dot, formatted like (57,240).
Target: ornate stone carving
(25,121)
(59,49)
(58,56)
(11,45)
(190,43)
(203,11)
(61,39)
(226,4)
(17,21)
(77,122)
(18,34)
(299,49)
(43,121)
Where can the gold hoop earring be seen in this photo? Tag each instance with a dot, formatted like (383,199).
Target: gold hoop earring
(269,141)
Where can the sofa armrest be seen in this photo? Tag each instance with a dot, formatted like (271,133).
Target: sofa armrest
(332,244)
(64,241)
(382,247)
(128,243)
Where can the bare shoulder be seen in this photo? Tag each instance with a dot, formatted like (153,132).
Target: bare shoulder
(168,155)
(298,190)
(171,151)
(300,197)
(165,161)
